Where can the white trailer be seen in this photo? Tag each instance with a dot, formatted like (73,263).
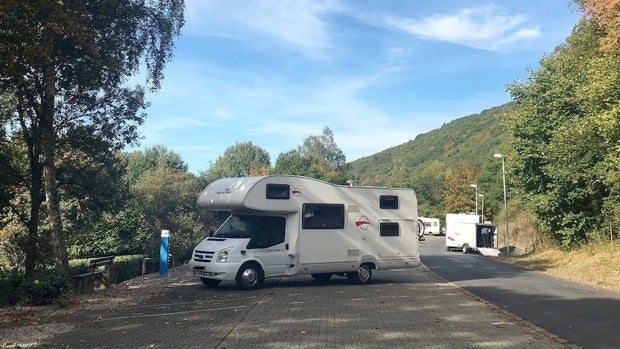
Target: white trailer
(464,232)
(291,225)
(431,225)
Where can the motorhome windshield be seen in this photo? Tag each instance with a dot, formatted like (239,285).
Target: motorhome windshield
(240,227)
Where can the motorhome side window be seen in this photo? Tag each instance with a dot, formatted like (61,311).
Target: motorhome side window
(389,202)
(389,229)
(278,191)
(323,216)
(270,231)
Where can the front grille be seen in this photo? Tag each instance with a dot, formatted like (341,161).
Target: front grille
(203,273)
(203,256)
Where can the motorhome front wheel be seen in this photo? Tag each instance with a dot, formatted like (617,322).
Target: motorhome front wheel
(210,282)
(322,276)
(249,277)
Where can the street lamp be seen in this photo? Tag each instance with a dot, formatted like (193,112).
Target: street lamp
(500,156)
(475,195)
(482,196)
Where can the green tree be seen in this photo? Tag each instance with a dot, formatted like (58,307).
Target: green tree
(458,194)
(240,160)
(428,182)
(567,137)
(93,196)
(293,162)
(167,200)
(66,63)
(324,149)
(151,158)
(9,178)
(318,157)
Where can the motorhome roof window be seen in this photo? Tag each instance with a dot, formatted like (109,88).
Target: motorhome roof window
(323,216)
(278,191)
(388,202)
(389,229)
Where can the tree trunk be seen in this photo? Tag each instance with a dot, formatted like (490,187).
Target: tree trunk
(52,196)
(35,206)
(32,138)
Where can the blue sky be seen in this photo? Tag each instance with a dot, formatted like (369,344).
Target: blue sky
(378,73)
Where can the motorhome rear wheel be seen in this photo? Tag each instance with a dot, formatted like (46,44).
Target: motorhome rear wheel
(466,248)
(362,276)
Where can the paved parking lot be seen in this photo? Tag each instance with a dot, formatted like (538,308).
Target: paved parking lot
(400,309)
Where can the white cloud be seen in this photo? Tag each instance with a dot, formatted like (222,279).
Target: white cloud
(296,24)
(360,128)
(484,28)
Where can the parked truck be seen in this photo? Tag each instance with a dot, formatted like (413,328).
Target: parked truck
(465,232)
(291,225)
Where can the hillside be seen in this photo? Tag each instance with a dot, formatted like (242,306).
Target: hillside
(473,138)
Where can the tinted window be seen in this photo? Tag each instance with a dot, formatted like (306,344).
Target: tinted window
(270,231)
(388,201)
(323,216)
(238,227)
(264,231)
(278,191)
(389,229)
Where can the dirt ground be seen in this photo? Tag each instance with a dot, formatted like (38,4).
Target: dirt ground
(127,293)
(595,265)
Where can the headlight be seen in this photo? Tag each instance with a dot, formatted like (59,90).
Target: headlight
(223,255)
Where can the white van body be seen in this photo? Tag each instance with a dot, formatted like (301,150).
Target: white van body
(290,225)
(431,225)
(463,232)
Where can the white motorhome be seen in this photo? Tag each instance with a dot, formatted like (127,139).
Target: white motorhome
(464,232)
(290,225)
(431,225)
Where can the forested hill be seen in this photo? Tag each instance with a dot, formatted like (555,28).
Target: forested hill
(473,138)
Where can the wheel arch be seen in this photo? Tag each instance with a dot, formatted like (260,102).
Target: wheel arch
(370,260)
(256,262)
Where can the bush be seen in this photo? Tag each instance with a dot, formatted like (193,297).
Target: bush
(79,266)
(10,284)
(125,268)
(45,287)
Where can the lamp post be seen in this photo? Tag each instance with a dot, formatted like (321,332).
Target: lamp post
(500,156)
(482,196)
(475,195)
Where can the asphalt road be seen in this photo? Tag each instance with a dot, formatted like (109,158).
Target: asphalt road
(583,315)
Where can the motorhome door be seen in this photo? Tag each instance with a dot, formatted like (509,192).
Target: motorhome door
(268,244)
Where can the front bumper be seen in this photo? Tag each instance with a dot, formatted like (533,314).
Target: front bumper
(214,270)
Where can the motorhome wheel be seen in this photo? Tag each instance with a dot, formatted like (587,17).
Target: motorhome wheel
(249,277)
(321,276)
(362,276)
(210,282)
(466,248)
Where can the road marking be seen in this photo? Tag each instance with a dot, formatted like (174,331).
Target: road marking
(171,313)
(192,303)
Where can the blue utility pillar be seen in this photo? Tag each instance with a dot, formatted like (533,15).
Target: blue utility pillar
(163,252)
